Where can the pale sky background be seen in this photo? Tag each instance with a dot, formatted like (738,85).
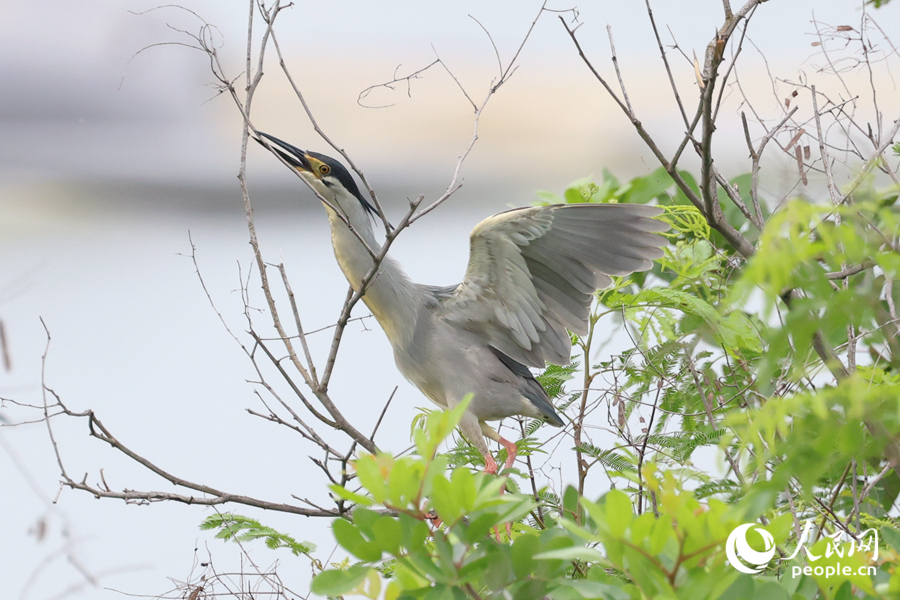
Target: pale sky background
(108,159)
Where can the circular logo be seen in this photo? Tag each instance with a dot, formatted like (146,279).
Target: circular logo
(740,554)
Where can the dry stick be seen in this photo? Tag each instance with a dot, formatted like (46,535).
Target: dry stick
(383,412)
(310,433)
(306,431)
(662,53)
(866,491)
(615,62)
(99,431)
(531,478)
(732,64)
(415,75)
(641,454)
(876,157)
(850,270)
(274,418)
(790,498)
(493,45)
(411,216)
(94,424)
(363,94)
(688,137)
(374,429)
(707,404)
(715,53)
(309,361)
(826,162)
(756,157)
(340,422)
(727,6)
(734,237)
(506,74)
(287,378)
(578,423)
(324,136)
(44,390)
(735,197)
(509,68)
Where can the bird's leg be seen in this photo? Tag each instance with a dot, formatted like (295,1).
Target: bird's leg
(490,465)
(511,452)
(511,449)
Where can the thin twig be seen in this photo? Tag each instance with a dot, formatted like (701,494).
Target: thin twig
(615,62)
(826,162)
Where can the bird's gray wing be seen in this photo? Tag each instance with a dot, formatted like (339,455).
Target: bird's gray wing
(533,271)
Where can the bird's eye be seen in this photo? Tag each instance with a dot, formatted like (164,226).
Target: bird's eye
(324,169)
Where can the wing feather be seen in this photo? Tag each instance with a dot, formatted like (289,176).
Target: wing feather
(533,271)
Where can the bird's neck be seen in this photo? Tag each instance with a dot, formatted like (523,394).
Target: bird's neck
(390,294)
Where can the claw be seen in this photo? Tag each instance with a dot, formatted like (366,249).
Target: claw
(490,465)
(511,452)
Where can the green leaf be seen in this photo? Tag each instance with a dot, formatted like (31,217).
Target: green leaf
(346,494)
(349,537)
(596,591)
(388,533)
(337,582)
(523,552)
(619,512)
(238,528)
(573,553)
(438,426)
(445,501)
(373,475)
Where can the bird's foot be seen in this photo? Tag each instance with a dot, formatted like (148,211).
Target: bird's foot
(511,452)
(508,532)
(490,465)
(491,468)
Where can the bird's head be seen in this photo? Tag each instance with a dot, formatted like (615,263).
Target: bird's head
(323,173)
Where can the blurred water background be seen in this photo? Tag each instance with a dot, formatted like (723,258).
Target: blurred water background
(110,158)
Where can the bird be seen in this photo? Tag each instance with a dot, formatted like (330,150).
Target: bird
(531,276)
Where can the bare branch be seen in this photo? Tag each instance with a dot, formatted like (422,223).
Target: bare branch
(212,495)
(309,361)
(324,136)
(662,53)
(826,162)
(389,84)
(756,156)
(615,61)
(734,237)
(493,45)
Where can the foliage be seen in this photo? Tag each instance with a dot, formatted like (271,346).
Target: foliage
(238,528)
(675,554)
(720,363)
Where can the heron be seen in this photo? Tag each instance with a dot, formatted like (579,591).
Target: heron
(531,278)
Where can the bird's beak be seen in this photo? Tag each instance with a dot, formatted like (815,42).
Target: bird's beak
(291,154)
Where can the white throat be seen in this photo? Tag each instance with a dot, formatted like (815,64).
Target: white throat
(390,295)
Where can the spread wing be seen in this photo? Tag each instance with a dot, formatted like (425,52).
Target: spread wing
(533,271)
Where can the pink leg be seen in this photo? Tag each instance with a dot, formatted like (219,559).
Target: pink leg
(511,452)
(490,465)
(491,469)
